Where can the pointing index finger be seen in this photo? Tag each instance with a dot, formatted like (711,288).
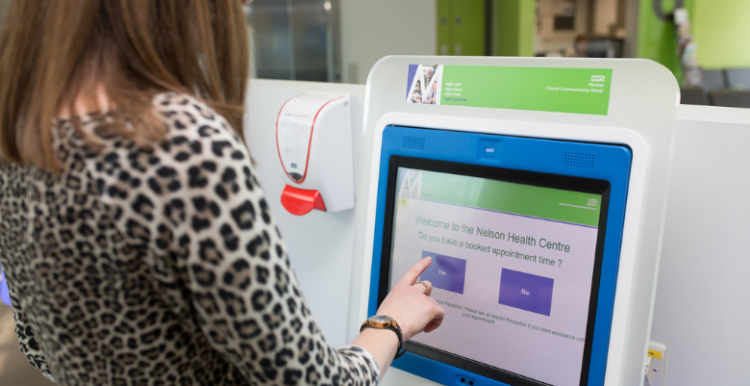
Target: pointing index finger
(413,273)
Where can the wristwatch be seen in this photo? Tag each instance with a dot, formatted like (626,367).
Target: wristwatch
(386,322)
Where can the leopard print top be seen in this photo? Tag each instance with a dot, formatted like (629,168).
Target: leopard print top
(159,267)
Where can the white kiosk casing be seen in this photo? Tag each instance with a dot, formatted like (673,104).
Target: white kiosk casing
(640,115)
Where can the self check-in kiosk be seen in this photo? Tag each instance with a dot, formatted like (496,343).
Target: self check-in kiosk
(538,187)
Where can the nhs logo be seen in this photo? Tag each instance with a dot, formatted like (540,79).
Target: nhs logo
(597,78)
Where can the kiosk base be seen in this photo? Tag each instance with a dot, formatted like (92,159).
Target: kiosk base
(396,377)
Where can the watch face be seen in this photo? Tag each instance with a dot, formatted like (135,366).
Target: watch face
(380,319)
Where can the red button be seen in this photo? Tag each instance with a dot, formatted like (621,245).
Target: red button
(299,201)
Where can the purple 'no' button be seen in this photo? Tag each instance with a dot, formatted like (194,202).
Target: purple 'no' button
(526,291)
(445,272)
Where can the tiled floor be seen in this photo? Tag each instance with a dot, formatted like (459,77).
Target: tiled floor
(14,369)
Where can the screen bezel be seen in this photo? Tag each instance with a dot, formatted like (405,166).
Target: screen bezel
(531,178)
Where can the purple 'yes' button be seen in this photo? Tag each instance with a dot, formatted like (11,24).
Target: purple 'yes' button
(445,272)
(526,291)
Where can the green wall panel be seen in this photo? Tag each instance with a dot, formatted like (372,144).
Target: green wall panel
(515,27)
(469,27)
(656,37)
(461,27)
(527,27)
(445,27)
(722,30)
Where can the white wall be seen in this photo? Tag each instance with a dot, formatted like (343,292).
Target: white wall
(319,244)
(702,312)
(372,29)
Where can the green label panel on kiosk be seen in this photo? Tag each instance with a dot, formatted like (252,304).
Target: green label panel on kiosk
(562,90)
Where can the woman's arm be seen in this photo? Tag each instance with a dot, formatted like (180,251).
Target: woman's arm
(27,340)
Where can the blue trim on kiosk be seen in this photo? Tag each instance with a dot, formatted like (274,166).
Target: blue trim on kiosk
(612,164)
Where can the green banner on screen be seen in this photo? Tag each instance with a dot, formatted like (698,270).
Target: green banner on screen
(525,200)
(561,90)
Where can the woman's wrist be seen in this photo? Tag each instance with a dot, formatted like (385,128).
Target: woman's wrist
(381,335)
(381,343)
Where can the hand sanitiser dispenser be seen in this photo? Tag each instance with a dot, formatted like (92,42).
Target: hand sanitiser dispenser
(538,187)
(314,141)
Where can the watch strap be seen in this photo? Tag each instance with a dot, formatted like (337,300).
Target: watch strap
(396,329)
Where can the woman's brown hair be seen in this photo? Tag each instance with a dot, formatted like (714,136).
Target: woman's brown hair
(53,52)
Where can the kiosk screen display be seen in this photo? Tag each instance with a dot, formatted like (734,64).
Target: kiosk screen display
(515,262)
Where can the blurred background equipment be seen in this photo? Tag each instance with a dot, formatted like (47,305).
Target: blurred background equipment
(340,40)
(296,39)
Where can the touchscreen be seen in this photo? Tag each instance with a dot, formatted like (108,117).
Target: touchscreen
(513,267)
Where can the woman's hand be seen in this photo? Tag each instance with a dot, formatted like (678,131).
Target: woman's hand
(410,304)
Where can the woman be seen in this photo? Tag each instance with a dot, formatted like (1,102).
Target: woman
(137,244)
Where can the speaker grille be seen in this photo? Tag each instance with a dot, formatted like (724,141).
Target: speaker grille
(413,143)
(579,160)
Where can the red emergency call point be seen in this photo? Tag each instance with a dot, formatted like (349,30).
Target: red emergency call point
(300,202)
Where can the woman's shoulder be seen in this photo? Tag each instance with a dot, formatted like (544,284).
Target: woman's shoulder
(198,137)
(196,132)
(187,115)
(200,151)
